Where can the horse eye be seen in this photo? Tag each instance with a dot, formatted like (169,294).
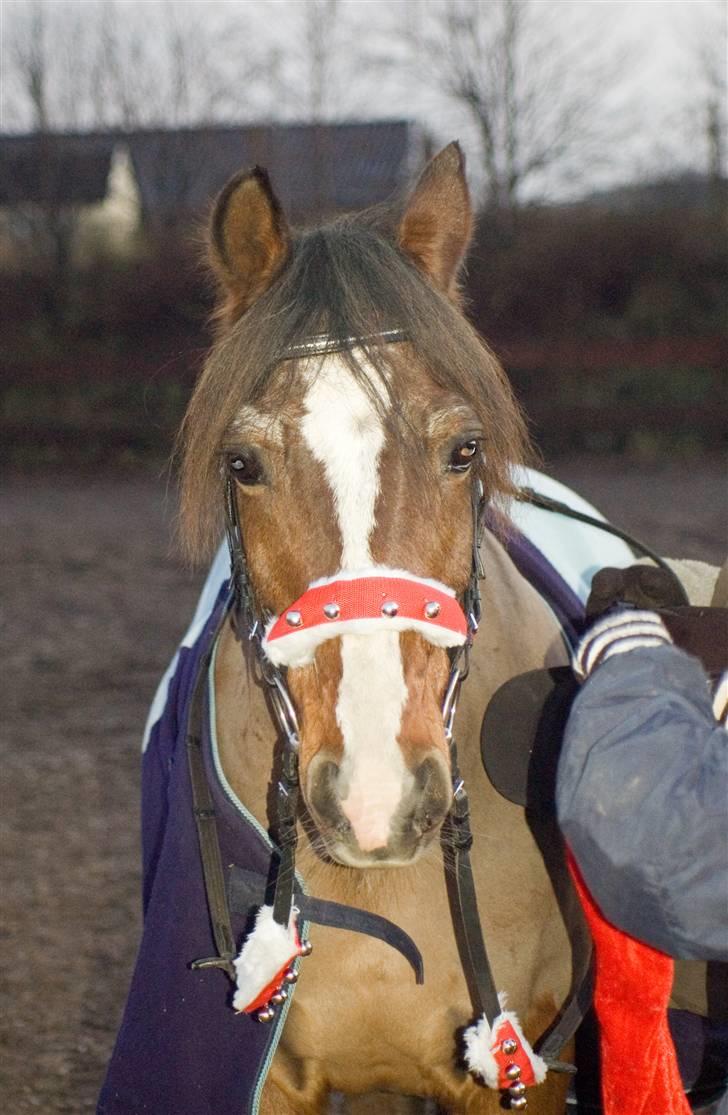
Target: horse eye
(463,456)
(246,467)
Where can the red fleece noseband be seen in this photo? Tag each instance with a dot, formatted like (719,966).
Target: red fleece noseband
(364,604)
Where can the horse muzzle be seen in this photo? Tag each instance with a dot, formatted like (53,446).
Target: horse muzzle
(378,825)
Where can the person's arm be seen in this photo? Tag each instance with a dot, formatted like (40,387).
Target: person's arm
(642,789)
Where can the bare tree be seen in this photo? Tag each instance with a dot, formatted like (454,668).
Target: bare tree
(321,23)
(51,62)
(709,48)
(81,64)
(530,85)
(44,88)
(328,68)
(173,66)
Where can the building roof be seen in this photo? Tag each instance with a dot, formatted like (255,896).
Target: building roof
(54,169)
(315,168)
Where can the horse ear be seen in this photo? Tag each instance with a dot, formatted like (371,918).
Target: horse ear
(249,240)
(437,224)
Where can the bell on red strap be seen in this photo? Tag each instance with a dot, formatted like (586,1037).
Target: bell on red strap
(263,967)
(502,1056)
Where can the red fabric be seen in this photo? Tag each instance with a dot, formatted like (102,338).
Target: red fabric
(362,598)
(263,996)
(261,999)
(503,1032)
(633,981)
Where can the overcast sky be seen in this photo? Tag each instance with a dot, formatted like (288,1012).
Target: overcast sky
(651,104)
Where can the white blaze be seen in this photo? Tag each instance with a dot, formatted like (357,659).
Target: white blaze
(344,432)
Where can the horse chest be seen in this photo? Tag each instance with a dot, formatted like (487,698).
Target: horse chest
(358,1013)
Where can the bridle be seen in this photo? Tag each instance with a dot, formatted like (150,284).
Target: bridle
(253,626)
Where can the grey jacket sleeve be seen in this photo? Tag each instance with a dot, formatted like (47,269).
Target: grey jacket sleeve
(642,799)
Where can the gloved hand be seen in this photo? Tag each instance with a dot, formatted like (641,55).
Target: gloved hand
(642,586)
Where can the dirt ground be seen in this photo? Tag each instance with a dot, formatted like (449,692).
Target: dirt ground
(94,601)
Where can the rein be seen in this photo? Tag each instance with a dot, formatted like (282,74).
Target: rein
(546,503)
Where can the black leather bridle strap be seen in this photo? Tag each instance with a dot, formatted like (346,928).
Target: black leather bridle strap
(458,837)
(286,836)
(203,808)
(554,1041)
(546,503)
(248,890)
(249,625)
(475,959)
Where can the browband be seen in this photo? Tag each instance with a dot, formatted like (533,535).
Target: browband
(322,343)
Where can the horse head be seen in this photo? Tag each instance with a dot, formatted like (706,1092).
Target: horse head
(356,417)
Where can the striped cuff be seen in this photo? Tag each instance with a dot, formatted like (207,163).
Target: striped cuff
(617,634)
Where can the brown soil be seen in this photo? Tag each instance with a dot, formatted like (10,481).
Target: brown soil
(94,603)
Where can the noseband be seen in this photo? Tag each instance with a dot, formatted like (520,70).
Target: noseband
(362,604)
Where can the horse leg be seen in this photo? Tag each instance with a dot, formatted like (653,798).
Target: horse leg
(274,1100)
(292,1090)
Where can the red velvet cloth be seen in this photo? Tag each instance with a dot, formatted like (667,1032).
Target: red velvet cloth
(633,981)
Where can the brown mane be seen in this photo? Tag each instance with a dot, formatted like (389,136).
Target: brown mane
(346,279)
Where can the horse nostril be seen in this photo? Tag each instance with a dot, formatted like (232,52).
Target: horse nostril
(324,797)
(422,823)
(432,795)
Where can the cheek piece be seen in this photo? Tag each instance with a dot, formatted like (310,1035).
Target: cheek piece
(363,603)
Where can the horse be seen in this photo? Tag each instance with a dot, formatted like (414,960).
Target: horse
(357,459)
(359,439)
